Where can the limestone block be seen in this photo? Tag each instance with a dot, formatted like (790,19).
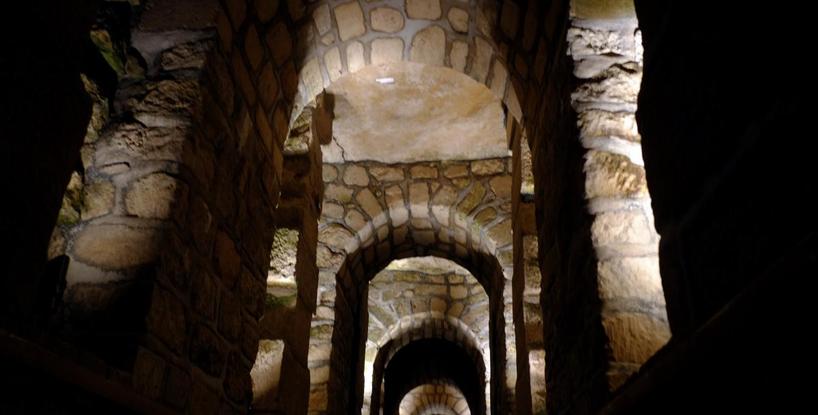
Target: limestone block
(613,175)
(338,193)
(350,19)
(356,175)
(634,337)
(472,198)
(387,174)
(321,17)
(369,203)
(429,46)
(603,124)
(459,19)
(419,200)
(634,278)
(332,61)
(332,210)
(487,167)
(154,196)
(114,246)
(499,75)
(355,57)
(482,59)
(621,227)
(97,199)
(501,186)
(423,9)
(386,19)
(458,56)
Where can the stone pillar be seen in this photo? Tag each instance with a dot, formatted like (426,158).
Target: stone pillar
(166,279)
(607,54)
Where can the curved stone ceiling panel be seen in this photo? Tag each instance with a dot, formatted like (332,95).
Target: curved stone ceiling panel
(407,112)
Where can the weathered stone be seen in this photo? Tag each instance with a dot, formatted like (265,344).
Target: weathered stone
(621,227)
(386,19)
(356,175)
(329,173)
(423,9)
(499,75)
(459,19)
(97,199)
(604,124)
(472,198)
(350,19)
(486,167)
(501,233)
(459,54)
(154,196)
(616,85)
(456,171)
(117,246)
(322,19)
(613,175)
(459,292)
(312,79)
(398,213)
(332,210)
(635,278)
(386,50)
(501,186)
(332,61)
(634,337)
(369,203)
(429,46)
(355,220)
(355,57)
(485,216)
(482,59)
(419,200)
(387,174)
(423,172)
(335,236)
(338,193)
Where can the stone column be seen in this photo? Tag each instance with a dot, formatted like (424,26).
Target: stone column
(606,48)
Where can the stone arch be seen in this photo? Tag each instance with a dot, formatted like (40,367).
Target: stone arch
(415,215)
(430,360)
(345,37)
(434,398)
(431,325)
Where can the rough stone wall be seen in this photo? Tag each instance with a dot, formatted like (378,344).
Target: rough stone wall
(419,291)
(175,260)
(374,213)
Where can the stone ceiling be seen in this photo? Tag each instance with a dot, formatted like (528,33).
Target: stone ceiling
(427,113)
